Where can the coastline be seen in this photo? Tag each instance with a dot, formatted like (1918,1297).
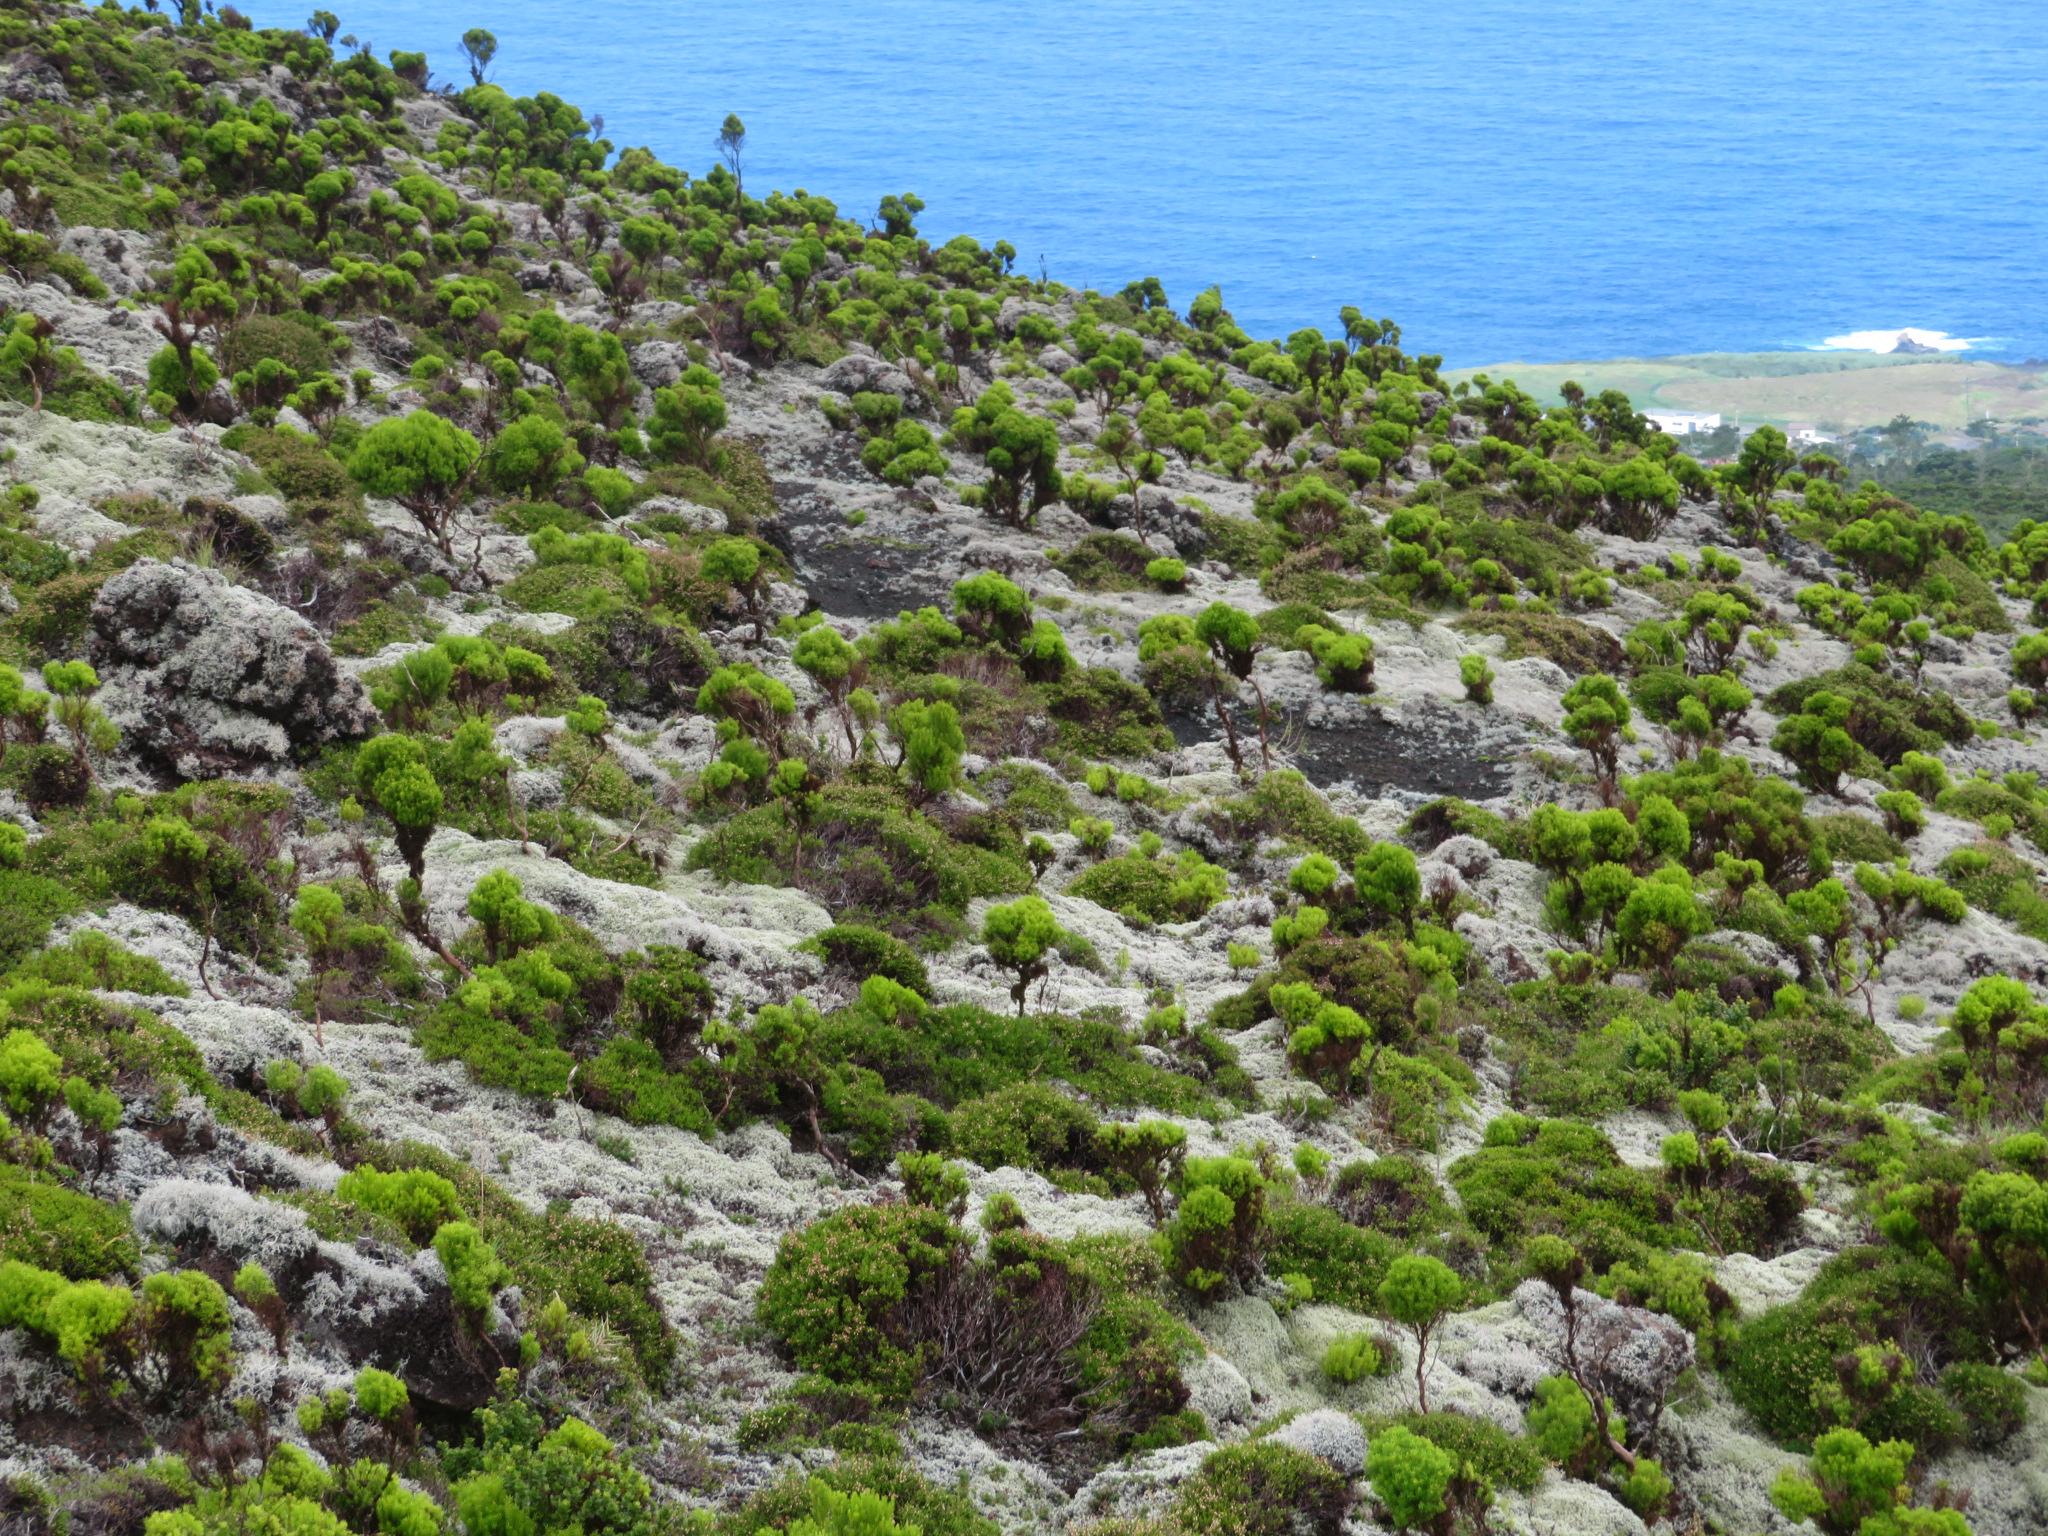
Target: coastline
(1842,390)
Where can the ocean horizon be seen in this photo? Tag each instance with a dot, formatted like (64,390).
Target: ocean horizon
(1510,180)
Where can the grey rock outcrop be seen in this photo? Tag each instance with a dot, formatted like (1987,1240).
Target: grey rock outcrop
(854,373)
(1635,1355)
(213,679)
(382,1309)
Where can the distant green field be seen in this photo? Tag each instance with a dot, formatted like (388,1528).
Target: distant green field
(1843,390)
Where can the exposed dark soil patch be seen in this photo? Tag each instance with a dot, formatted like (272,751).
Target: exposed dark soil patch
(1375,753)
(854,572)
(1437,752)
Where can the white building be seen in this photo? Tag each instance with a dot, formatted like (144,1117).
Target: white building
(1678,423)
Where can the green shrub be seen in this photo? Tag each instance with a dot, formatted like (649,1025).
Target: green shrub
(303,471)
(935,1509)
(1162,891)
(1029,796)
(1410,1477)
(77,1317)
(1559,1176)
(1286,804)
(1168,575)
(1352,1357)
(1280,625)
(598,1268)
(1343,1262)
(863,952)
(294,338)
(1729,809)
(106,858)
(1783,1370)
(1992,1402)
(1856,840)
(1219,1234)
(1980,800)
(1481,1447)
(836,1287)
(1106,562)
(1026,1125)
(92,960)
(1994,878)
(581,591)
(472,1266)
(1261,1488)
(1579,648)
(1887,718)
(1441,820)
(417,1200)
(1393,1194)
(54,1228)
(522,1477)
(1097,712)
(882,862)
(629,1078)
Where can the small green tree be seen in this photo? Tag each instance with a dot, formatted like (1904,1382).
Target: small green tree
(1148,1153)
(26,353)
(184,857)
(1596,718)
(418,682)
(931,742)
(992,607)
(187,1347)
(861,1512)
(1817,741)
(1022,454)
(392,771)
(1219,1234)
(321,920)
(1234,640)
(478,46)
(1043,654)
(255,1290)
(1419,1292)
(1018,937)
(2030,660)
(72,684)
(509,921)
(688,416)
(1351,1357)
(1476,677)
(1410,1477)
(835,666)
(473,1269)
(1641,494)
(181,382)
(1853,1488)
(1389,883)
(29,1080)
(736,563)
(1658,918)
(531,457)
(731,145)
(423,463)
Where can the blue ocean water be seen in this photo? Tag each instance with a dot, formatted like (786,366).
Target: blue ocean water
(1526,180)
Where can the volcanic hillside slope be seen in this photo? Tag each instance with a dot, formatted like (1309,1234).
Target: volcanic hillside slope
(674,864)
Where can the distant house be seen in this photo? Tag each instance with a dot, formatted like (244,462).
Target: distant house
(1679,423)
(1807,432)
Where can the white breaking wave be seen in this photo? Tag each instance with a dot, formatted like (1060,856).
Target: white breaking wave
(1888,341)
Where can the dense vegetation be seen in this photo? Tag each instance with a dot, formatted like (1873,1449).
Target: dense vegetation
(954,782)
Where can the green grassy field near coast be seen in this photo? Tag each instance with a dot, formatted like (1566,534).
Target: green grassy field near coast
(1844,390)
